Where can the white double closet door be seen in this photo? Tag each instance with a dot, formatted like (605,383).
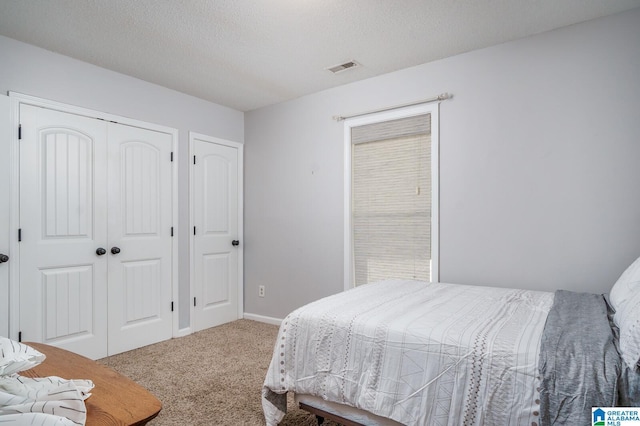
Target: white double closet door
(95,220)
(5,196)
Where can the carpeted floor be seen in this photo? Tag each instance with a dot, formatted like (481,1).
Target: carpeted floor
(213,377)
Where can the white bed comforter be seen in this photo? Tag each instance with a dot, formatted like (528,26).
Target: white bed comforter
(418,353)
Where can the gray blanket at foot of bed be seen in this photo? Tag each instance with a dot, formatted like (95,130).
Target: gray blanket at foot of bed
(579,363)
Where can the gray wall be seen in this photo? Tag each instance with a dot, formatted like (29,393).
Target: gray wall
(33,71)
(539,168)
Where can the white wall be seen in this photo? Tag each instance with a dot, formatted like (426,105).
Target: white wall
(33,71)
(539,168)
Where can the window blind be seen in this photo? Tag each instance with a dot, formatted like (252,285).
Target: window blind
(391,200)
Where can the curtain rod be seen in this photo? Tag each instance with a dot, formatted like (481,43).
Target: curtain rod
(441,97)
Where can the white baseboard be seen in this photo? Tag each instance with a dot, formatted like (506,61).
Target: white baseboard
(262,318)
(182,332)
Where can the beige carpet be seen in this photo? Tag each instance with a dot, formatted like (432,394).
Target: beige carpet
(213,377)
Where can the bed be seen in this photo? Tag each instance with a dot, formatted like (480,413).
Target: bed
(418,353)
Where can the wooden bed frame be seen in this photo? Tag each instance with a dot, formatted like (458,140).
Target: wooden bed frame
(321,415)
(345,415)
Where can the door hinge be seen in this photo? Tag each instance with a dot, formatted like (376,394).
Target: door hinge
(19,234)
(172,156)
(19,336)
(172,231)
(194,301)
(19,131)
(194,159)
(194,230)
(171,306)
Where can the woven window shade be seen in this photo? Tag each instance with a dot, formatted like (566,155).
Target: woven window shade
(391,200)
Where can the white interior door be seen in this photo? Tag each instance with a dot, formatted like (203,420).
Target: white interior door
(63,281)
(215,195)
(5,196)
(140,243)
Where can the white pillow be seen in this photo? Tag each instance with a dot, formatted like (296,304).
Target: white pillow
(16,357)
(628,320)
(626,287)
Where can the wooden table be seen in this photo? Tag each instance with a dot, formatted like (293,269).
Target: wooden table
(115,399)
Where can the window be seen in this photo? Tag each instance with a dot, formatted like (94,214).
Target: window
(391,189)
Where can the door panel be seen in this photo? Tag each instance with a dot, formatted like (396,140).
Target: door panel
(215,203)
(216,272)
(140,301)
(63,222)
(140,197)
(67,167)
(140,226)
(68,307)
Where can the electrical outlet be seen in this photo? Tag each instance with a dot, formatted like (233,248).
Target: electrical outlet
(261,291)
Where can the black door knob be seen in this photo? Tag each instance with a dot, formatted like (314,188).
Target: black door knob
(235,243)
(100,251)
(4,258)
(115,250)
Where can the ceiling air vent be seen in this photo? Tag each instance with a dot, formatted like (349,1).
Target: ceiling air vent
(342,67)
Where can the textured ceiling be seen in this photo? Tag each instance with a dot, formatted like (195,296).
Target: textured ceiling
(247,54)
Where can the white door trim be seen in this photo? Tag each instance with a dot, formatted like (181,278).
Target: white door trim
(428,108)
(240,147)
(14,216)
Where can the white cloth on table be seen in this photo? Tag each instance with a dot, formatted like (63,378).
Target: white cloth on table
(44,400)
(16,357)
